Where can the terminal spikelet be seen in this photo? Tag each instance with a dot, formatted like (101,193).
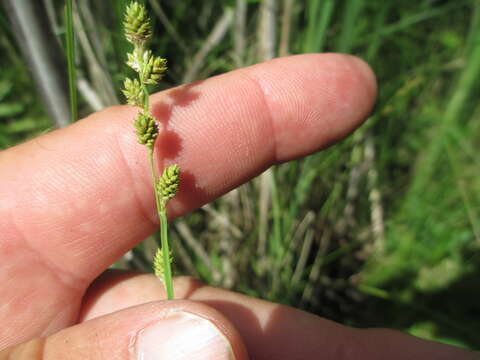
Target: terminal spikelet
(137,24)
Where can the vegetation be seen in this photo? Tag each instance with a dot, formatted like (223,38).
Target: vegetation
(150,70)
(380,230)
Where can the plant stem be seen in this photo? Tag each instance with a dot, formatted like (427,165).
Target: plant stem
(162,214)
(154,176)
(166,253)
(146,106)
(138,32)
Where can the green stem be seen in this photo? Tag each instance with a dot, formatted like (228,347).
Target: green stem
(154,180)
(154,174)
(146,103)
(162,214)
(146,99)
(166,253)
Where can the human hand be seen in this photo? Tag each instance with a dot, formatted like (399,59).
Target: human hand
(74,200)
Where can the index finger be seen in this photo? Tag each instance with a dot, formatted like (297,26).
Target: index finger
(83,195)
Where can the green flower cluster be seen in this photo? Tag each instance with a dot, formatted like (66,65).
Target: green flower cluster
(159,263)
(133,92)
(149,68)
(168,183)
(147,130)
(137,24)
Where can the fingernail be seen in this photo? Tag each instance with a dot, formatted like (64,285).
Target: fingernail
(181,336)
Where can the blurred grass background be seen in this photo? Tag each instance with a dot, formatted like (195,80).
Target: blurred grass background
(380,230)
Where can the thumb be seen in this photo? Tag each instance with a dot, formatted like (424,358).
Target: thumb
(171,330)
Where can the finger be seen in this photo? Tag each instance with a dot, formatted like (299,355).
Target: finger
(73,201)
(271,331)
(83,194)
(162,330)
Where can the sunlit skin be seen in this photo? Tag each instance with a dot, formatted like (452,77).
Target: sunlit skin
(74,200)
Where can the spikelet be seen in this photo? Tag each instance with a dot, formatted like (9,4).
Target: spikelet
(135,59)
(159,264)
(147,130)
(133,92)
(153,69)
(168,183)
(137,24)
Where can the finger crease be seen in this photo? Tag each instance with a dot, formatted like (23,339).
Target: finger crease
(269,113)
(69,279)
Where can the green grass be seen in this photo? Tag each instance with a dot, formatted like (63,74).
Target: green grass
(21,112)
(418,152)
(318,16)
(71,69)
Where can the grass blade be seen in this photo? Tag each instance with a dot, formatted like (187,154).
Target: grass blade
(348,34)
(319,15)
(461,94)
(71,61)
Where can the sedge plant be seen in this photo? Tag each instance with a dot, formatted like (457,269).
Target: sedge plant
(150,69)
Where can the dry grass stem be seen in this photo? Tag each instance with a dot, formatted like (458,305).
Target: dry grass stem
(162,16)
(298,235)
(266,48)
(52,16)
(286,28)
(264,205)
(213,39)
(267,30)
(89,94)
(186,234)
(375,197)
(223,220)
(102,80)
(181,255)
(239,34)
(315,271)
(304,254)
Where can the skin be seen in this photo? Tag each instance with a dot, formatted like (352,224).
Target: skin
(74,200)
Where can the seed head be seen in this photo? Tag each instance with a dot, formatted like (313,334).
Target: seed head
(137,24)
(154,68)
(135,59)
(133,92)
(159,264)
(167,185)
(147,130)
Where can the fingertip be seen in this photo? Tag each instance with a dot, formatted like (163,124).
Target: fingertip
(363,69)
(367,83)
(314,100)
